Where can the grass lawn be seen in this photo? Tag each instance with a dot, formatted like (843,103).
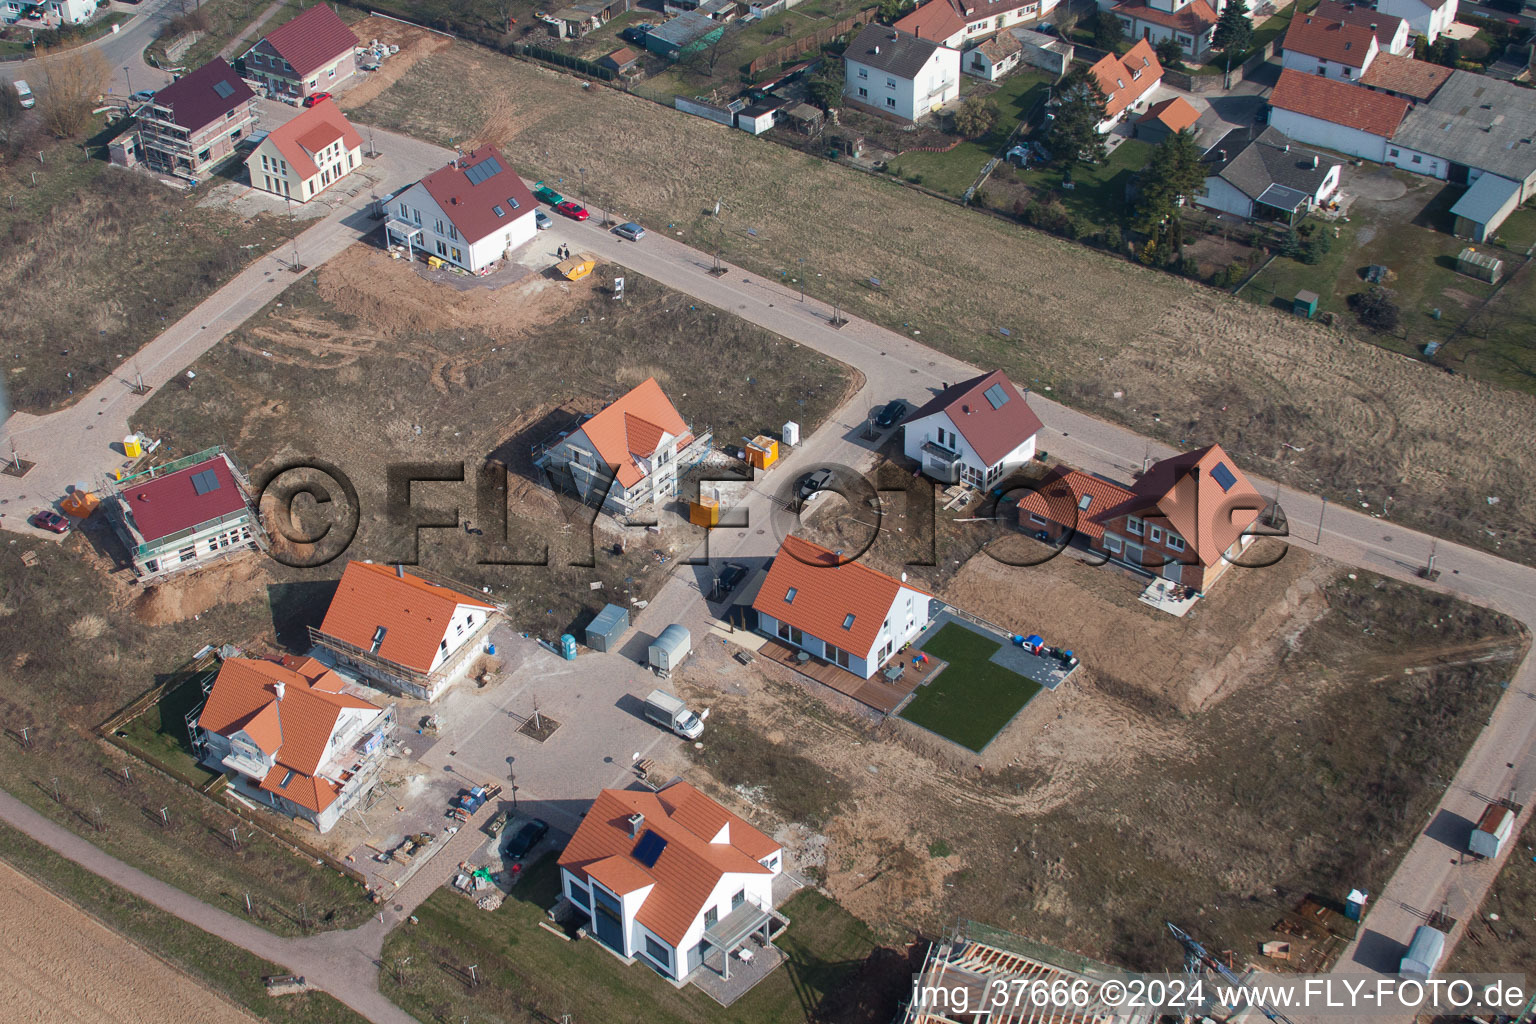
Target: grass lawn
(529,974)
(161,731)
(1098,192)
(972,699)
(21,41)
(954,172)
(220,965)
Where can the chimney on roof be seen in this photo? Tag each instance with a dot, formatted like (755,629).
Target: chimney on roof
(1221,155)
(877,49)
(277,688)
(400,572)
(635,822)
(1373,26)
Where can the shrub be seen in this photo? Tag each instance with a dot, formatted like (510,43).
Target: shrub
(1376,309)
(1113,239)
(1189,267)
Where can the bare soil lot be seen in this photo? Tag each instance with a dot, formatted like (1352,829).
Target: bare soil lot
(1113,804)
(96,261)
(366,364)
(62,964)
(1189,363)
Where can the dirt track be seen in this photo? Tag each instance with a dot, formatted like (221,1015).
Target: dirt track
(59,965)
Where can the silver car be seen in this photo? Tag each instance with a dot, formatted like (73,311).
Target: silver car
(541,220)
(633,232)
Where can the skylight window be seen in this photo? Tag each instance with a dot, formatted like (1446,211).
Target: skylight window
(378,638)
(789,596)
(1084,502)
(498,211)
(204,482)
(997,395)
(224,89)
(848,621)
(1223,476)
(513,203)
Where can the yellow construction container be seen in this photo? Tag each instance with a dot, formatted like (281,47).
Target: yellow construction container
(704,512)
(762,452)
(133,446)
(577,267)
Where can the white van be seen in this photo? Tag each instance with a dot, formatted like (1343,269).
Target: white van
(25,92)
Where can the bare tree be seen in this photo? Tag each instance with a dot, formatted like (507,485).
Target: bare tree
(71,82)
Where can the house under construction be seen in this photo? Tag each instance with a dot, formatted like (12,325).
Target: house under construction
(978,973)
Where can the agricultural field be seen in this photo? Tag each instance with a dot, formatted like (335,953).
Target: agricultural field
(123,255)
(365,364)
(836,969)
(1162,356)
(1275,742)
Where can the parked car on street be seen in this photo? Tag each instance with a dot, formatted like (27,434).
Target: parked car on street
(526,838)
(541,220)
(632,231)
(573,210)
(815,480)
(50,521)
(143,96)
(730,577)
(316,97)
(890,414)
(544,194)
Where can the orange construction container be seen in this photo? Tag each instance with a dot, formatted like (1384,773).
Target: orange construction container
(704,512)
(762,452)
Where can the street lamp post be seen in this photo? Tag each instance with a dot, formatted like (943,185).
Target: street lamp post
(128,76)
(801,261)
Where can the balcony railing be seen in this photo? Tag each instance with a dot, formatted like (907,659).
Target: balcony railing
(940,453)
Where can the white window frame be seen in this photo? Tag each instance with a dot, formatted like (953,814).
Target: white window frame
(1175,542)
(1154,534)
(1134,525)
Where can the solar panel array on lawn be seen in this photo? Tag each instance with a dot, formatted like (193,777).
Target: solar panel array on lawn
(483,171)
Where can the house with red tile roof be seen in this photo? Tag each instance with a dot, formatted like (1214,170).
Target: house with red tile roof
(1340,116)
(1185,519)
(401,632)
(196,122)
(839,610)
(1339,50)
(292,735)
(1169,117)
(302,158)
(1392,33)
(472,213)
(630,454)
(671,879)
(314,52)
(957,24)
(975,432)
(1126,81)
(184,515)
(1190,23)
(1416,81)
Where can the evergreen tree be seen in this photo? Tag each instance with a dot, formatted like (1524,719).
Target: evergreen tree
(1173,175)
(1234,29)
(1079,107)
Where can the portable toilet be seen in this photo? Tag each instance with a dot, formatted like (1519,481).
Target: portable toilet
(1305,304)
(669,649)
(762,452)
(133,446)
(1424,953)
(567,647)
(604,631)
(1354,904)
(704,512)
(791,433)
(1492,832)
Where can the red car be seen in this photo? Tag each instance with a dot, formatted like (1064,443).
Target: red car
(50,521)
(314,98)
(575,211)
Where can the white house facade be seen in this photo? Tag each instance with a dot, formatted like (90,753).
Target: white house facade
(302,158)
(958,24)
(473,213)
(1425,17)
(975,432)
(897,75)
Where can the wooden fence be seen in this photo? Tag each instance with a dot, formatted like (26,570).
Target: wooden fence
(815,41)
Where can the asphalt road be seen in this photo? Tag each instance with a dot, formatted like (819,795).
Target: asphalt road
(72,445)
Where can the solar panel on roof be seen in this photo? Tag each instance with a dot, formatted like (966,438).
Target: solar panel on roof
(997,395)
(649,848)
(483,171)
(204,482)
(224,89)
(1223,476)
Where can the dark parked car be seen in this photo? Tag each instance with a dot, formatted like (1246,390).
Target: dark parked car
(815,480)
(890,414)
(526,839)
(50,521)
(730,577)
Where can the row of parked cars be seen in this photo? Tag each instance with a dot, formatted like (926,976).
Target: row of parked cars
(574,210)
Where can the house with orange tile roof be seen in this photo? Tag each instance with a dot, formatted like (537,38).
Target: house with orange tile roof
(629,455)
(1335,49)
(957,24)
(1166,118)
(1126,81)
(292,735)
(671,879)
(1190,23)
(974,432)
(401,632)
(1185,519)
(839,610)
(301,158)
